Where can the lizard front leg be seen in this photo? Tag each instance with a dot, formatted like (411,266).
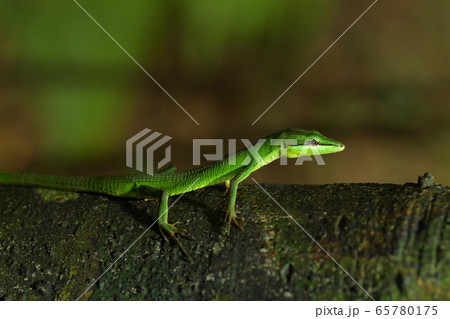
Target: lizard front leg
(231,210)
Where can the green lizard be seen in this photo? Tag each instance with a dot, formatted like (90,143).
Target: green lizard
(232,169)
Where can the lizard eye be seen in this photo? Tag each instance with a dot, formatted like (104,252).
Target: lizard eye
(313,142)
(284,145)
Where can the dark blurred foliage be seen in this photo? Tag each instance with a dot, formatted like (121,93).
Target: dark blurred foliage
(70,97)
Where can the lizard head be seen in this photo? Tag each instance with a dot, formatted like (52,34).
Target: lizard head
(297,142)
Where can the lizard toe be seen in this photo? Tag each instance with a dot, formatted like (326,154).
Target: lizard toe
(172,231)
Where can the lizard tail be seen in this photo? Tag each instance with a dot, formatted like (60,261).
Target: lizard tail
(71,183)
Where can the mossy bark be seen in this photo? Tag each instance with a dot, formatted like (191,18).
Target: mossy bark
(392,239)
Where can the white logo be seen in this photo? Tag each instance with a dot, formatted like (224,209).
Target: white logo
(149,146)
(148,142)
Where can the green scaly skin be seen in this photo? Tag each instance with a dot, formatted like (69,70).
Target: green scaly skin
(232,170)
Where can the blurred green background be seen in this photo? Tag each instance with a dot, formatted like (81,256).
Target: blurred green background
(70,97)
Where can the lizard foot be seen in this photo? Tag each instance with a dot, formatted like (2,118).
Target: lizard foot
(233,217)
(171,230)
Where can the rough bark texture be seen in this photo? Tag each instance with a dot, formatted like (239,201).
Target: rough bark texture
(392,239)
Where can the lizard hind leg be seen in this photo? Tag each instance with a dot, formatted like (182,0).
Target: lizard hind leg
(171,230)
